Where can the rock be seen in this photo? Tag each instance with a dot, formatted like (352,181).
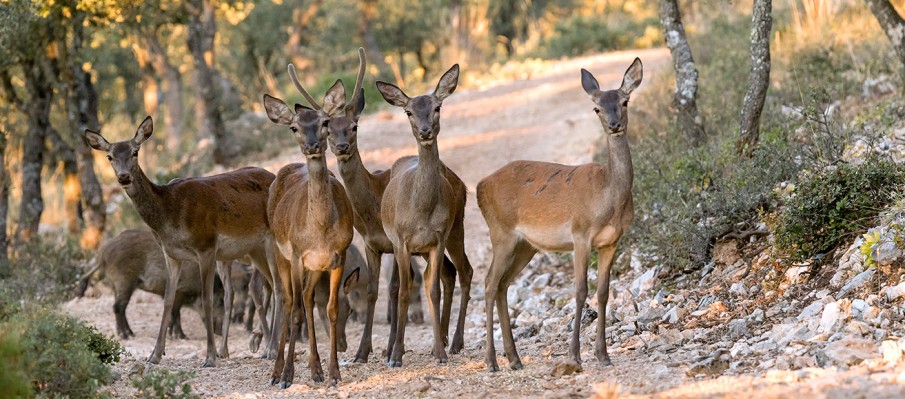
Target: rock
(738,328)
(527,331)
(725,253)
(643,283)
(858,328)
(857,281)
(671,338)
(894,292)
(793,275)
(859,309)
(672,315)
(588,316)
(541,282)
(811,310)
(764,346)
(423,386)
(834,315)
(881,85)
(892,352)
(136,369)
(887,253)
(565,368)
(850,351)
(712,365)
(738,289)
(741,348)
(757,315)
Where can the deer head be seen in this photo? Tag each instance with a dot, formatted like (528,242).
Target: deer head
(308,125)
(343,128)
(423,111)
(123,155)
(611,106)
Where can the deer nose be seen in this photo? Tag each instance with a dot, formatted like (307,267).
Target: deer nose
(614,125)
(425,133)
(342,147)
(311,148)
(124,178)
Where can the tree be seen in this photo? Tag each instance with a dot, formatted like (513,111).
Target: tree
(4,205)
(685,96)
(892,23)
(758,77)
(301,19)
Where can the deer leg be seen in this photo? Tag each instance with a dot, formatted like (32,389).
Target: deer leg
(336,278)
(604,264)
(456,248)
(364,348)
(169,296)
(403,262)
(314,359)
(416,312)
(207,264)
(393,309)
(279,291)
(256,306)
(521,255)
(298,290)
(223,269)
(123,296)
(432,291)
(581,259)
(175,328)
(285,281)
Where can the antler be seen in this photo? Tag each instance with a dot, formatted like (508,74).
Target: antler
(298,85)
(361,74)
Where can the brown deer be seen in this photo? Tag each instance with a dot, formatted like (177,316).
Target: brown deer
(312,226)
(539,206)
(366,191)
(422,212)
(196,221)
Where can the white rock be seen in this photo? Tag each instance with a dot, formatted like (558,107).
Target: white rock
(834,315)
(811,310)
(857,281)
(793,275)
(740,348)
(643,283)
(738,328)
(738,289)
(887,253)
(894,292)
(757,315)
(859,309)
(851,351)
(892,352)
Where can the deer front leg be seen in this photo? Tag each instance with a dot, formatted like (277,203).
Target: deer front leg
(223,270)
(365,347)
(207,264)
(284,278)
(604,264)
(279,292)
(456,249)
(393,307)
(336,276)
(298,290)
(314,359)
(403,262)
(581,258)
(169,296)
(432,291)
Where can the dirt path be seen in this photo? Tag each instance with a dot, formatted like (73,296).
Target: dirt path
(546,118)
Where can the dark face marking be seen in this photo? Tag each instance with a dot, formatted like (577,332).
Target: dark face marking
(342,135)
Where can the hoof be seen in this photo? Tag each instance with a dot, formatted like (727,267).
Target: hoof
(285,384)
(317,378)
(606,362)
(274,381)
(360,360)
(456,348)
(208,364)
(333,383)
(394,363)
(517,365)
(443,362)
(492,368)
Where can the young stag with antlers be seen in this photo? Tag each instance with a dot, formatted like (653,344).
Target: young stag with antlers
(531,206)
(312,226)
(365,191)
(422,212)
(196,221)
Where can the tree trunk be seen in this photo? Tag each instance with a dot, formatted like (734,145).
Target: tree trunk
(758,78)
(62,152)
(170,86)
(4,208)
(82,113)
(685,96)
(148,78)
(202,30)
(301,18)
(366,13)
(892,23)
(37,83)
(457,49)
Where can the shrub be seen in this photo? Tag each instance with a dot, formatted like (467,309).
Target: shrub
(43,271)
(164,384)
(584,34)
(13,379)
(835,204)
(57,354)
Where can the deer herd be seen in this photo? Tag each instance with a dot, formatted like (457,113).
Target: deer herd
(296,227)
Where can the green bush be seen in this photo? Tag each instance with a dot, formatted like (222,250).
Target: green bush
(585,34)
(164,384)
(13,380)
(43,271)
(58,355)
(835,204)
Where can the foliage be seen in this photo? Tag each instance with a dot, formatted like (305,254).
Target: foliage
(580,35)
(834,204)
(42,271)
(13,378)
(65,358)
(869,248)
(161,383)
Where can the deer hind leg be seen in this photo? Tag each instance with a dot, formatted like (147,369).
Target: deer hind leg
(123,296)
(365,346)
(503,252)
(456,248)
(224,271)
(521,255)
(169,296)
(175,329)
(279,290)
(605,263)
(284,278)
(208,265)
(416,311)
(397,345)
(581,259)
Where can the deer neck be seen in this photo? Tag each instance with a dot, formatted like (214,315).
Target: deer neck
(619,165)
(148,199)
(357,181)
(320,194)
(427,175)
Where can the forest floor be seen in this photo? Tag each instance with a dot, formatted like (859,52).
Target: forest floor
(545,117)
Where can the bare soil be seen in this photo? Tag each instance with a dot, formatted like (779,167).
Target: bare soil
(546,117)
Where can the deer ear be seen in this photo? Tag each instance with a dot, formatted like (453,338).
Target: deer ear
(299,108)
(392,94)
(277,110)
(351,281)
(144,131)
(96,141)
(448,83)
(354,111)
(632,78)
(589,82)
(335,99)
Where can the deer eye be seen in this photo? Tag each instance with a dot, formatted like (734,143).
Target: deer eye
(293,129)
(326,122)
(437,109)
(408,113)
(596,110)
(625,103)
(135,153)
(109,158)
(355,128)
